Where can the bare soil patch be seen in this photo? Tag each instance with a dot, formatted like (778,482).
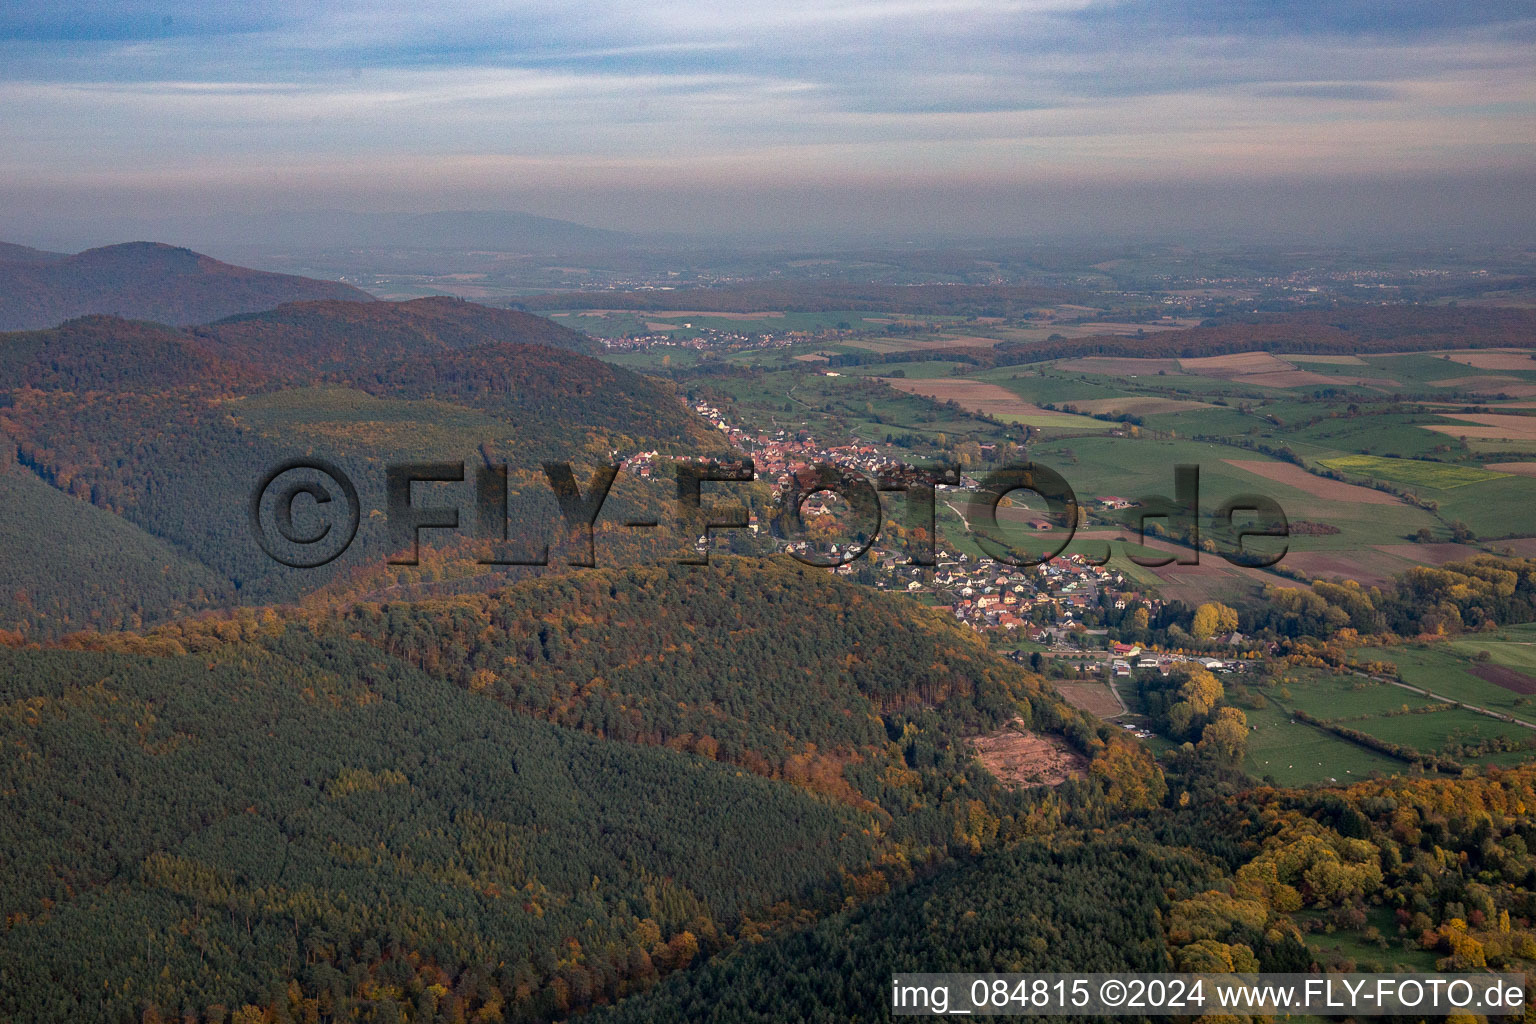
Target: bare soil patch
(1476,433)
(1212,579)
(1368,567)
(1431,554)
(957,341)
(1496,359)
(1094,698)
(1508,678)
(968,341)
(990,399)
(1318,487)
(1515,428)
(1019,757)
(1287,379)
(1518,468)
(1488,384)
(1235,364)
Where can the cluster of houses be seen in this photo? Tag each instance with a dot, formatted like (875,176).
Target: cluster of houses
(1043,600)
(708,339)
(1046,603)
(1040,600)
(778,454)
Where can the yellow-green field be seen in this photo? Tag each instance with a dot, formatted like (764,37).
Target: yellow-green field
(1413,472)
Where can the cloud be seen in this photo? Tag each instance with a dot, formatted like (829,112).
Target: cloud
(957,91)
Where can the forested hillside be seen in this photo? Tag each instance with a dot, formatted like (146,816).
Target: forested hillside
(146,281)
(12,253)
(270,814)
(1038,906)
(561,404)
(310,816)
(302,337)
(107,353)
(780,669)
(66,565)
(1477,594)
(172,430)
(1434,875)
(308,808)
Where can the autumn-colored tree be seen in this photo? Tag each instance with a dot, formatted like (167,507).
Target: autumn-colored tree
(1212,618)
(1131,776)
(1226,735)
(1212,915)
(1201,691)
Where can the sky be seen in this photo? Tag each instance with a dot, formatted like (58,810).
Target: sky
(964,117)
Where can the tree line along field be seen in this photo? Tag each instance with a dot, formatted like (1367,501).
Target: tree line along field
(1294,750)
(1448,668)
(1296,754)
(1512,646)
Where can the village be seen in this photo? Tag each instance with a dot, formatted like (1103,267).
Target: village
(1052,612)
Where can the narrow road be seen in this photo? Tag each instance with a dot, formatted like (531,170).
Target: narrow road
(1125,708)
(963,521)
(1501,715)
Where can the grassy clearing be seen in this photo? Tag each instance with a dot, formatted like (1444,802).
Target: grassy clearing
(1518,652)
(1436,731)
(1296,754)
(1132,468)
(1336,697)
(1497,508)
(1444,670)
(923,370)
(1293,752)
(1367,955)
(346,421)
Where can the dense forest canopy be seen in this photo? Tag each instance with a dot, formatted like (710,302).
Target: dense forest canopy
(172,429)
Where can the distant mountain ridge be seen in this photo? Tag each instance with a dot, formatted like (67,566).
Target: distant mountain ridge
(10,253)
(497,230)
(143,281)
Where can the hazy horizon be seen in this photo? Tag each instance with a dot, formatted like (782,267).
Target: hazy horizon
(1341,121)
